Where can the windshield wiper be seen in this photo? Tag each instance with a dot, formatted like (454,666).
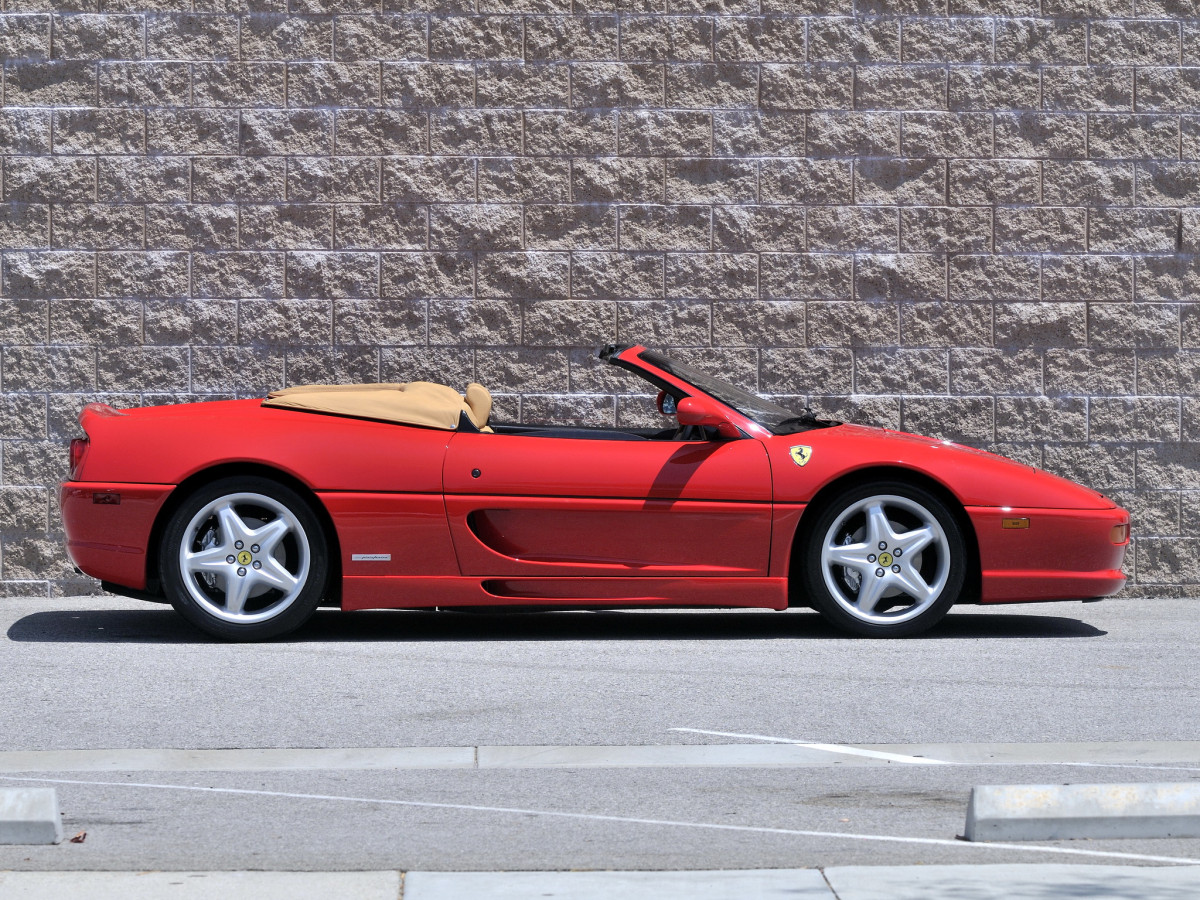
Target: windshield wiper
(808,417)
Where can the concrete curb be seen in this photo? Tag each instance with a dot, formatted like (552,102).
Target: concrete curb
(1048,812)
(985,882)
(29,816)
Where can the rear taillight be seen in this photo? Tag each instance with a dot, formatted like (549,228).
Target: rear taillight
(79,448)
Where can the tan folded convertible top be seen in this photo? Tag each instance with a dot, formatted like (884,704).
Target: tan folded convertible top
(415,403)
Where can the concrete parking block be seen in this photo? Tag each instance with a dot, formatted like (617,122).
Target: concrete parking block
(29,816)
(1014,882)
(762,884)
(200,885)
(1047,812)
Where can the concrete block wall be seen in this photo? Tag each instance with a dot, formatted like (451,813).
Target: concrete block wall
(969,218)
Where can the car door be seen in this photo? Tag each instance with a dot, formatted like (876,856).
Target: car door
(522,505)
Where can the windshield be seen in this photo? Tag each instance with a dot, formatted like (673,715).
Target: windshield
(771,415)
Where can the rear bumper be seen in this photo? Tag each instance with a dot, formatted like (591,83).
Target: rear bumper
(1064,554)
(110,540)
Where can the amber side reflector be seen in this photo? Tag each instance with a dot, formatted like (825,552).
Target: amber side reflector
(1120,533)
(1014,523)
(106,498)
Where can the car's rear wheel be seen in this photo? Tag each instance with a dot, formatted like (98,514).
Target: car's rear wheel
(245,559)
(886,559)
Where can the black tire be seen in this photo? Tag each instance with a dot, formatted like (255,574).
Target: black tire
(854,570)
(221,580)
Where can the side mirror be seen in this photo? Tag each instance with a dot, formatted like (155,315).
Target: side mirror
(665,403)
(694,411)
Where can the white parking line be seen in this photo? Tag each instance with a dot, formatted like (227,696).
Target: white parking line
(629,820)
(828,748)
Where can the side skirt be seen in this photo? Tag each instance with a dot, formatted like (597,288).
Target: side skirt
(381,592)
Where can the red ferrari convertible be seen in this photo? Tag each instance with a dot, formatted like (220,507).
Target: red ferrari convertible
(246,515)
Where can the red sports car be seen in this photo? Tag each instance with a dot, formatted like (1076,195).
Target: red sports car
(247,515)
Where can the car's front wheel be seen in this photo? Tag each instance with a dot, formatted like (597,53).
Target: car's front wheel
(245,559)
(886,559)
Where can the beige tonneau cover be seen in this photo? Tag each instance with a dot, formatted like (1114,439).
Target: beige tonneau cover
(414,403)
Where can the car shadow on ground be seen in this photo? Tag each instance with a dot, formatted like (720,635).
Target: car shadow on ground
(159,625)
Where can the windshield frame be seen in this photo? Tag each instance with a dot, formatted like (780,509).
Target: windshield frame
(770,416)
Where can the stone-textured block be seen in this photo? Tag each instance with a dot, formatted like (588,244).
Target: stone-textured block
(523,275)
(130,273)
(389,36)
(608,179)
(760,38)
(901,371)
(49,273)
(428,86)
(994,181)
(758,228)
(277,36)
(198,36)
(853,134)
(617,275)
(481,132)
(900,276)
(476,226)
(98,322)
(950,418)
(1046,135)
(1125,136)
(25,130)
(665,228)
(816,276)
(238,179)
(1088,372)
(663,38)
(140,84)
(1041,230)
(333,84)
(805,87)
(25,36)
(379,322)
(237,274)
(474,37)
(899,87)
(37,82)
(1020,325)
(474,322)
(1036,40)
(194,226)
(577,37)
(341,274)
(230,84)
(1001,88)
(568,322)
(857,40)
(995,372)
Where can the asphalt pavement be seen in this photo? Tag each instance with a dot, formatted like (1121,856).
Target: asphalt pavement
(640,741)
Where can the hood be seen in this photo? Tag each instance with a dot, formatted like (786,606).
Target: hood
(975,477)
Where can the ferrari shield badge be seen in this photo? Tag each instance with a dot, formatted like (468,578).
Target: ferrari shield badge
(801,454)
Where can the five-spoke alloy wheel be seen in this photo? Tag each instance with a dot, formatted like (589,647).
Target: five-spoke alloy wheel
(884,560)
(245,559)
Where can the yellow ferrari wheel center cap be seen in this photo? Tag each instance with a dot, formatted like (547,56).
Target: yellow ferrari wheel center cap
(885,559)
(244,558)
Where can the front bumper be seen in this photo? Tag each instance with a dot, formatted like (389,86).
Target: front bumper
(1063,554)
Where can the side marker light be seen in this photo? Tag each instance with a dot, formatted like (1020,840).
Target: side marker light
(106,498)
(1022,522)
